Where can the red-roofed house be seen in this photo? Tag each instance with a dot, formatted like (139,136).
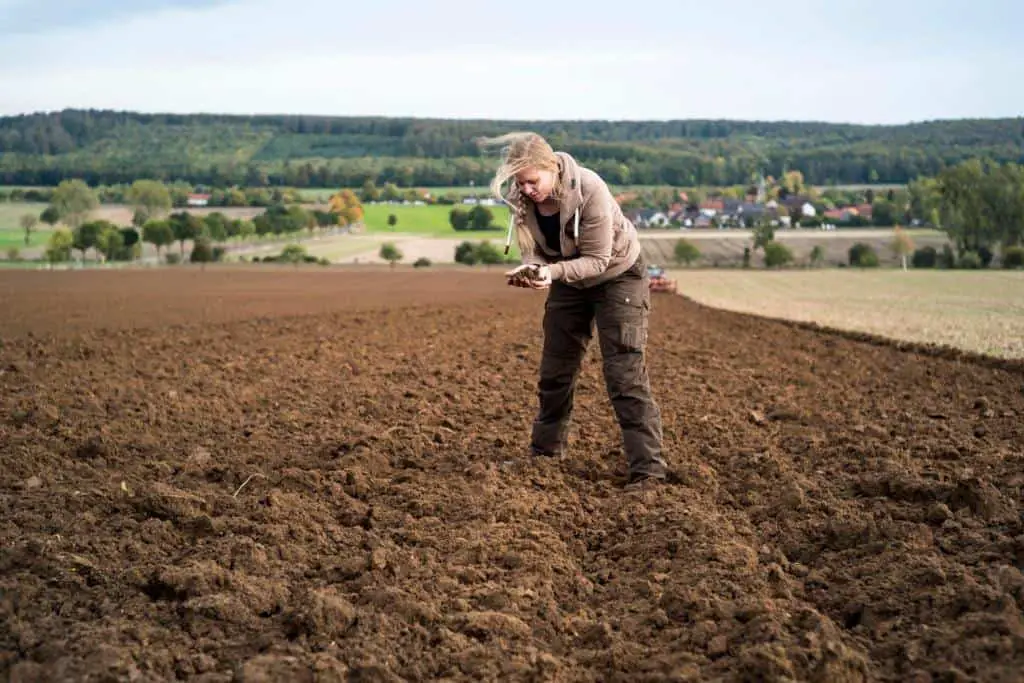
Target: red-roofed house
(838,214)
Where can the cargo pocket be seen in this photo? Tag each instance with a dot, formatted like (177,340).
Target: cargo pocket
(633,324)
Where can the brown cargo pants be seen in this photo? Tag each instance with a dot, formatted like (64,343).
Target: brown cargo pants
(621,308)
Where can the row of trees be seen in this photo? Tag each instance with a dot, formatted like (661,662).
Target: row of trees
(109,242)
(70,130)
(116,147)
(980,205)
(650,166)
(178,192)
(477,218)
(236,196)
(73,202)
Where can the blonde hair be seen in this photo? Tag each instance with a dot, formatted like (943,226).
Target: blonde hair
(520,151)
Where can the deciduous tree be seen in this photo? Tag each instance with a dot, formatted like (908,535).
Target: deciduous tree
(390,253)
(58,248)
(151,198)
(902,246)
(158,233)
(73,201)
(28,224)
(686,252)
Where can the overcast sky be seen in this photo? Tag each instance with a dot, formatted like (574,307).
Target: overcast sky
(869,61)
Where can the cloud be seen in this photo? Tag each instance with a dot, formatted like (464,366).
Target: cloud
(572,60)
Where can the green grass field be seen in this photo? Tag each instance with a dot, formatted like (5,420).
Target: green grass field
(16,238)
(981,311)
(11,233)
(428,221)
(8,188)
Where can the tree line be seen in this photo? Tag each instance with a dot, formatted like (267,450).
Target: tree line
(73,202)
(980,205)
(179,191)
(104,147)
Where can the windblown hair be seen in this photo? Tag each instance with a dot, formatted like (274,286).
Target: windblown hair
(520,151)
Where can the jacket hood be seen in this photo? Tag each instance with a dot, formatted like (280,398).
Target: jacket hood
(571,183)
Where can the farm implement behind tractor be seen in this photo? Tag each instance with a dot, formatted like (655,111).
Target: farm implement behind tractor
(660,282)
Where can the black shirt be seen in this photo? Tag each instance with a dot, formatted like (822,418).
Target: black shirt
(550,227)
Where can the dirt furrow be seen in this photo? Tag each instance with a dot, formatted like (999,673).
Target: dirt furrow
(334,489)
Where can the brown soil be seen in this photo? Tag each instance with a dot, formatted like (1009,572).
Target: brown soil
(272,476)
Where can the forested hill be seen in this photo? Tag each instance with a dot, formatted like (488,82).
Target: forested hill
(312,151)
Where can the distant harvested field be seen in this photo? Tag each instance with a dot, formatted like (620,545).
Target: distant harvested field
(343,248)
(977,311)
(120,214)
(11,213)
(365,248)
(424,231)
(725,247)
(10,188)
(318,194)
(860,187)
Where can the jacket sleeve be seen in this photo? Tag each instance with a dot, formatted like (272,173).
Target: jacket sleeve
(595,242)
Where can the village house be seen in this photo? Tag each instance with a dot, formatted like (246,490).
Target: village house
(843,214)
(799,205)
(744,213)
(649,218)
(711,207)
(198,199)
(754,208)
(479,201)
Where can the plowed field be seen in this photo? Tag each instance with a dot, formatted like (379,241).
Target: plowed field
(291,476)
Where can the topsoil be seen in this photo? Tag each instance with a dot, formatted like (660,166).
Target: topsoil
(288,476)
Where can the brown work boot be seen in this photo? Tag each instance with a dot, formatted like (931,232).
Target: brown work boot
(644,486)
(544,453)
(529,459)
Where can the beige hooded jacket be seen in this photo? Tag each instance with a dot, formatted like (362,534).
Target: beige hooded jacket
(598,242)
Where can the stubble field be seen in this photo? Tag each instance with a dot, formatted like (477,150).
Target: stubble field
(978,311)
(317,476)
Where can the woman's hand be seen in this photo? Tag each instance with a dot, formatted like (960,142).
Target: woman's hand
(542,279)
(530,276)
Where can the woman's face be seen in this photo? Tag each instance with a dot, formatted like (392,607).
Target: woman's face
(536,183)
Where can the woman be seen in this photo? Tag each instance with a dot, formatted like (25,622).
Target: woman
(576,243)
